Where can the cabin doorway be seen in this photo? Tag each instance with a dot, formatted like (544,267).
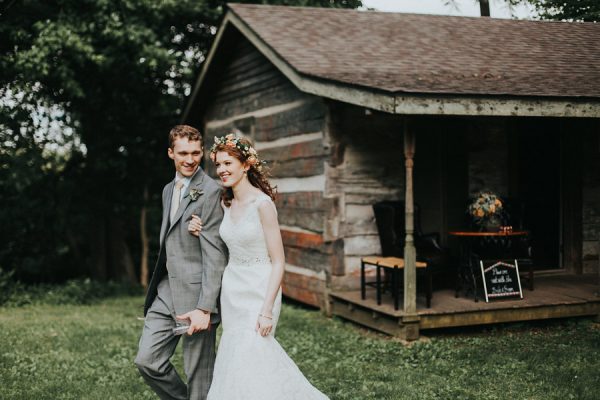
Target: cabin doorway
(535,179)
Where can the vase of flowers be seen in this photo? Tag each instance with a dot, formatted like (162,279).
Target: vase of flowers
(487,211)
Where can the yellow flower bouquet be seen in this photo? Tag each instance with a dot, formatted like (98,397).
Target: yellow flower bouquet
(487,210)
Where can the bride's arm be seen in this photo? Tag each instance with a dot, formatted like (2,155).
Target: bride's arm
(268,218)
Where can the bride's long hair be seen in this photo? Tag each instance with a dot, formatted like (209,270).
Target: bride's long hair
(243,149)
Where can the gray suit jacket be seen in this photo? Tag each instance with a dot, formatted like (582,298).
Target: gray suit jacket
(194,265)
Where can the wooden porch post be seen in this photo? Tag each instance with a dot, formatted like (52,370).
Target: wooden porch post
(410,320)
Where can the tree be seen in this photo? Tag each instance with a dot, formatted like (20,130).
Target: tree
(561,10)
(568,10)
(116,72)
(484,8)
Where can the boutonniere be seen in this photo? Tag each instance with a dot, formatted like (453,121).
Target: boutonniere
(195,193)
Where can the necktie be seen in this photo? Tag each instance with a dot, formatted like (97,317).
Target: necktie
(175,199)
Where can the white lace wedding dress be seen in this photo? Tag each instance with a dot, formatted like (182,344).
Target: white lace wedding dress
(249,366)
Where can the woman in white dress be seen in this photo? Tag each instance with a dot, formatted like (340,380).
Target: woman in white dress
(250,362)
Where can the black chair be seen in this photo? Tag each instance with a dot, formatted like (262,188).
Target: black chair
(521,248)
(389,217)
(390,220)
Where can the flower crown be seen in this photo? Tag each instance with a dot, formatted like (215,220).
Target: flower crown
(231,140)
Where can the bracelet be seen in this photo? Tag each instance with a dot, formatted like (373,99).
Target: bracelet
(264,316)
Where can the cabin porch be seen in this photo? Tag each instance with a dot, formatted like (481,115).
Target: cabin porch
(557,294)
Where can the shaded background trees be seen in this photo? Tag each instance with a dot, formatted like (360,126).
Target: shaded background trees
(560,10)
(568,10)
(88,92)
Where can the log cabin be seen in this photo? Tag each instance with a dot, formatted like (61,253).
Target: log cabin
(355,107)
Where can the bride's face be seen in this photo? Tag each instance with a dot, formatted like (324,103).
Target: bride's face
(229,168)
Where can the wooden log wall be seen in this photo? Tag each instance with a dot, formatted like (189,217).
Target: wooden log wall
(441,175)
(591,195)
(487,143)
(287,126)
(368,167)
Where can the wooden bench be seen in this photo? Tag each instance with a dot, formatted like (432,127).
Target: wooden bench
(396,265)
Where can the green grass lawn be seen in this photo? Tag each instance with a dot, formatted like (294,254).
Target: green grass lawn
(86,352)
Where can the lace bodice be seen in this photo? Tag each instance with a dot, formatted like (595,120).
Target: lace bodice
(245,237)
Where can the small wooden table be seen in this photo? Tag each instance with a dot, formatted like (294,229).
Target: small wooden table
(466,272)
(482,234)
(395,264)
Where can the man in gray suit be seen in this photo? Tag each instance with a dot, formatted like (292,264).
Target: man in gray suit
(187,277)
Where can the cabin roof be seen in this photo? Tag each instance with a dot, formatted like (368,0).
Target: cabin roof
(425,64)
(412,53)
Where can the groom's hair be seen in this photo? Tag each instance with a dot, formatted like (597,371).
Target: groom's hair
(184,131)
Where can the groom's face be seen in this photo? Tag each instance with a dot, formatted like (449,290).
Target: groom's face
(187,155)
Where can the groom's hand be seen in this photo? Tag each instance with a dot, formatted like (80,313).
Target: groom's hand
(199,320)
(195,226)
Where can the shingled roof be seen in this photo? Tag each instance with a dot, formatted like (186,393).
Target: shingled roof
(419,64)
(411,53)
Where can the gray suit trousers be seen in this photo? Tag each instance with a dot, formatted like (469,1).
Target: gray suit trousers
(158,344)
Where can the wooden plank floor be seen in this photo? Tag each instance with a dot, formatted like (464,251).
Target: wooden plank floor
(554,296)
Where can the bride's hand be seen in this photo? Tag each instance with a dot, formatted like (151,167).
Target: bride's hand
(195,226)
(264,324)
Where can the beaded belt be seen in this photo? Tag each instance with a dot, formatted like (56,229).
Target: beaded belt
(249,260)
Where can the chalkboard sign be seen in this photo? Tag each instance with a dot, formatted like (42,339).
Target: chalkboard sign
(501,280)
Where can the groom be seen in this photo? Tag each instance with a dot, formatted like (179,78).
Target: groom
(187,277)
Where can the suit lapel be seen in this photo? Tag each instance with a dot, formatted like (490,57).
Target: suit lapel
(194,184)
(165,218)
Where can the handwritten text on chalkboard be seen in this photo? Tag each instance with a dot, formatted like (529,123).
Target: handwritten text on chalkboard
(501,279)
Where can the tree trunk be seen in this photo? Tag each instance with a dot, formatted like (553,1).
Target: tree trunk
(484,8)
(121,262)
(75,248)
(144,240)
(98,249)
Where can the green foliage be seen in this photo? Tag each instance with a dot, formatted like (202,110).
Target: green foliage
(308,3)
(35,198)
(560,10)
(87,352)
(76,292)
(107,79)
(7,286)
(568,10)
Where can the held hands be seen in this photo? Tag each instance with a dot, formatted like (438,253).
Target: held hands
(195,226)
(199,320)
(264,324)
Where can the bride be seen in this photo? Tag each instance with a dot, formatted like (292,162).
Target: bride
(250,362)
